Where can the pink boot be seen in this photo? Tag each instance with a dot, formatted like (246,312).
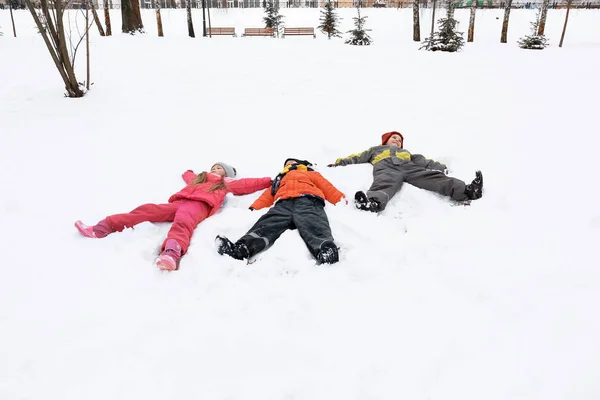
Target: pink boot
(170,256)
(100,230)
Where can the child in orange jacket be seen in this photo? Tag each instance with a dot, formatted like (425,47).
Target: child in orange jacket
(299,194)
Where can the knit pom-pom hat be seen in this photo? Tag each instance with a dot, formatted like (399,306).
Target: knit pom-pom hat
(229,170)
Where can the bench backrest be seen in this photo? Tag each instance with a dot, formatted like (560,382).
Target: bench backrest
(221,30)
(259,31)
(299,30)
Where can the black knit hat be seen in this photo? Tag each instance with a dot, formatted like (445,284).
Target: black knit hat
(302,162)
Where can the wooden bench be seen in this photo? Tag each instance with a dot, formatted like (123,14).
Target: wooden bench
(299,32)
(259,32)
(220,31)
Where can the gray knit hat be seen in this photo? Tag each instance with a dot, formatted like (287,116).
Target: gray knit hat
(229,170)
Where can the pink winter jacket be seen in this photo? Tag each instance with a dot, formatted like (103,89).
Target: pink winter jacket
(216,198)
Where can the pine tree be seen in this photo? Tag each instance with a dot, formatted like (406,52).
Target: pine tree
(359,36)
(446,39)
(534,41)
(272,17)
(329,21)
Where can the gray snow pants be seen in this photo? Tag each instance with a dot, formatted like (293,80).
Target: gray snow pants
(304,213)
(388,179)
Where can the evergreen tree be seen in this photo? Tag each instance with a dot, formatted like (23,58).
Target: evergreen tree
(272,17)
(534,41)
(329,21)
(359,36)
(446,38)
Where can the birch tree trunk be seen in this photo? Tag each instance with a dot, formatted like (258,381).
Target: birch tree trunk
(416,22)
(505,22)
(189,19)
(97,20)
(542,24)
(562,36)
(471,34)
(159,19)
(107,19)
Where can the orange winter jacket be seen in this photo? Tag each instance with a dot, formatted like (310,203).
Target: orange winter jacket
(297,183)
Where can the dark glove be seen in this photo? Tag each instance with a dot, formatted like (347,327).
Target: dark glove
(332,165)
(251,208)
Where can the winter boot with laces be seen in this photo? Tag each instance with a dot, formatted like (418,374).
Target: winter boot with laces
(100,230)
(238,250)
(474,190)
(170,256)
(363,203)
(328,254)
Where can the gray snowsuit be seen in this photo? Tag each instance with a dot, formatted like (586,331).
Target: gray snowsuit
(392,166)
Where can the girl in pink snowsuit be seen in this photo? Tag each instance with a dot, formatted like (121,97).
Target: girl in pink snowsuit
(200,199)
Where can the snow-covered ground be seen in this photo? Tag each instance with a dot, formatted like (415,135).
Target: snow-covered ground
(431,302)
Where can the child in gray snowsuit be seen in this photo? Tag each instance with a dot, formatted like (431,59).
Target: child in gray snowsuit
(393,165)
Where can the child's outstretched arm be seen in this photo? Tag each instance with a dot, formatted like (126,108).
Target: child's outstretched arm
(266,199)
(247,185)
(360,158)
(331,193)
(419,159)
(189,176)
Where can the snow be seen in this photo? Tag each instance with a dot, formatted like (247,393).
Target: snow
(492,301)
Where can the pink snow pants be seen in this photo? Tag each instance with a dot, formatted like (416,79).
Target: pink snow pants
(185,215)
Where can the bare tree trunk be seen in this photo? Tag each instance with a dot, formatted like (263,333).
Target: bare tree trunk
(562,36)
(87,43)
(505,22)
(189,19)
(159,19)
(433,18)
(416,22)
(542,24)
(132,19)
(107,19)
(54,37)
(97,20)
(471,34)
(12,18)
(209,24)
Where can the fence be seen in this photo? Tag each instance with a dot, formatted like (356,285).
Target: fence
(365,4)
(20,4)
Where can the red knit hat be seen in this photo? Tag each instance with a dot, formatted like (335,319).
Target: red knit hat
(385,137)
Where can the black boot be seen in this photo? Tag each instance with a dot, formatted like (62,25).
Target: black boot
(474,190)
(239,251)
(328,254)
(363,203)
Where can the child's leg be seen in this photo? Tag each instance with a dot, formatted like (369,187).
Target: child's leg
(436,181)
(143,213)
(312,223)
(387,181)
(189,214)
(269,227)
